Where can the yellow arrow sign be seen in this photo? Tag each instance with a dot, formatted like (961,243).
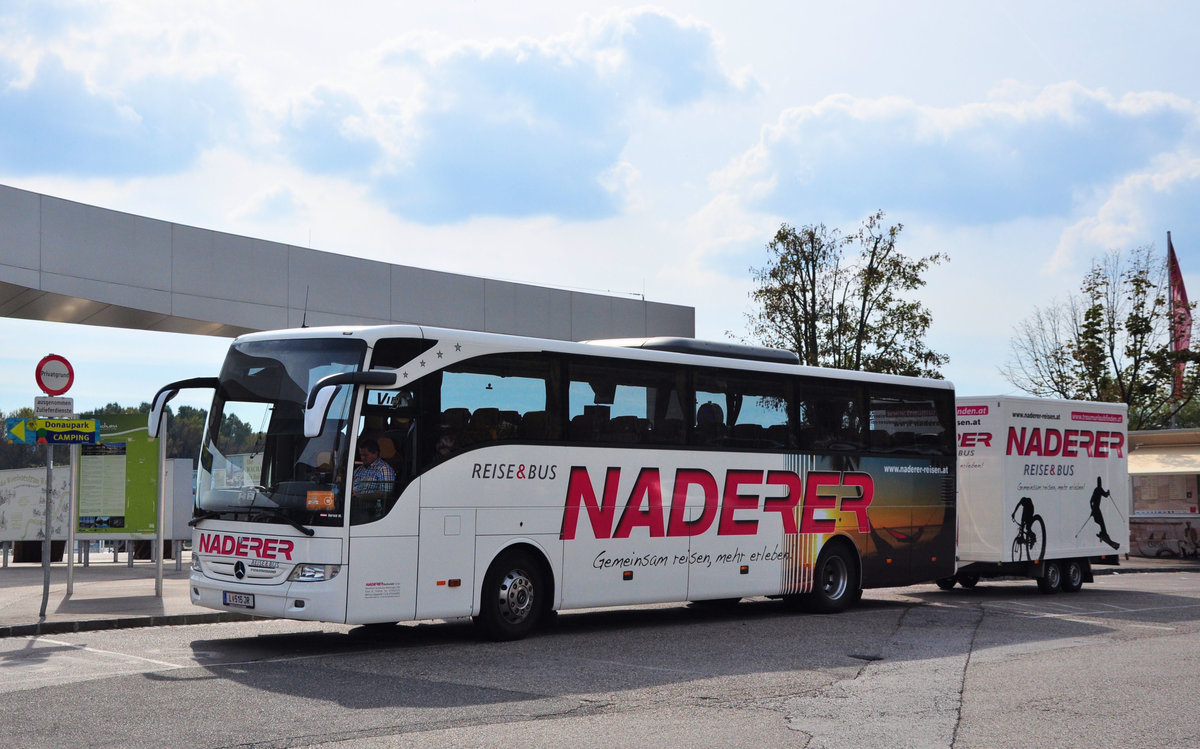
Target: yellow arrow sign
(58,431)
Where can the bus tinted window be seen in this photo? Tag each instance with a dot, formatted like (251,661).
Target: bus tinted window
(904,421)
(741,411)
(494,398)
(392,353)
(612,403)
(829,415)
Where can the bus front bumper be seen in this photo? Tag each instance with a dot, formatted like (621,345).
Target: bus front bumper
(308,601)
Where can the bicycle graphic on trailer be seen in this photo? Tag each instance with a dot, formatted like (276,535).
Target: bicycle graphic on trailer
(1030,543)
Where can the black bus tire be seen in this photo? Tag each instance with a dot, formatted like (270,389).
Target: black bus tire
(967,581)
(835,581)
(512,597)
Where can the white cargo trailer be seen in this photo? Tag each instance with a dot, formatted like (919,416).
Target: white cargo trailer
(1043,490)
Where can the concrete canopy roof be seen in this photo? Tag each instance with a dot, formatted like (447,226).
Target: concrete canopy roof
(63,261)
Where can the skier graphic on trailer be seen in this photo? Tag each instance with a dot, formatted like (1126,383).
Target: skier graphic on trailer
(1098,494)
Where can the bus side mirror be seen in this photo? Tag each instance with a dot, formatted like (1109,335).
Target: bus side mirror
(322,394)
(166,393)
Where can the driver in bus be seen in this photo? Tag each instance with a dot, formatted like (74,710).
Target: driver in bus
(373,475)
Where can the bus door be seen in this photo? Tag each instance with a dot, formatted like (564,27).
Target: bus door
(384,506)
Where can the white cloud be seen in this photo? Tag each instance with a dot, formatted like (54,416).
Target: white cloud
(984,161)
(509,127)
(527,128)
(1137,210)
(56,123)
(277,204)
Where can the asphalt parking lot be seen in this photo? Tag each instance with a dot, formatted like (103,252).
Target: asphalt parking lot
(999,665)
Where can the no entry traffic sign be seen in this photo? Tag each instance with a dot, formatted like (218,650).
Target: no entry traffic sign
(55,375)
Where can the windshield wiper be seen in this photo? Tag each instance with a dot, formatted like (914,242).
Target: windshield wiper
(284,517)
(204,515)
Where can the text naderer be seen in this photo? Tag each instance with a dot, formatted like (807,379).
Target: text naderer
(245,546)
(732,505)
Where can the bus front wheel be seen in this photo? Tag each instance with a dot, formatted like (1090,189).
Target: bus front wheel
(513,592)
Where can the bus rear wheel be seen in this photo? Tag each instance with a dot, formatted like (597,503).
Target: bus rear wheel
(513,597)
(835,581)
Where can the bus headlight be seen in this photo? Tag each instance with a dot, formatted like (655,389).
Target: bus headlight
(314,573)
(196,563)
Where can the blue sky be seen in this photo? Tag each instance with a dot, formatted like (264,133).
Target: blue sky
(616,147)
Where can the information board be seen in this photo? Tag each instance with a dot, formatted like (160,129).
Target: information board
(118,480)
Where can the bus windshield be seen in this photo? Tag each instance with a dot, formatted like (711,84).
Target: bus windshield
(256,464)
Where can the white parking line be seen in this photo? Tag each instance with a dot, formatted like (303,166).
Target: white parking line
(97,651)
(1097,615)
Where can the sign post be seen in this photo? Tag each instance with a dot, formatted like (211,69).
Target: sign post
(54,376)
(55,407)
(46,539)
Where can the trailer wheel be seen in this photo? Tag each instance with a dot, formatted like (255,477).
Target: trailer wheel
(835,581)
(946,583)
(513,590)
(1072,576)
(967,581)
(1051,581)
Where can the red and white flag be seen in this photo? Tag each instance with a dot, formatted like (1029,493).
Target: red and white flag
(1181,311)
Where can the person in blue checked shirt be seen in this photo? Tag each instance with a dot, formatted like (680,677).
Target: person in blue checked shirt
(374,475)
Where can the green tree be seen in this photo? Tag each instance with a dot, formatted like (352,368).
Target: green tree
(842,301)
(185,431)
(1110,342)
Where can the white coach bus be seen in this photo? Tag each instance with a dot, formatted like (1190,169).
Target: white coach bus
(529,476)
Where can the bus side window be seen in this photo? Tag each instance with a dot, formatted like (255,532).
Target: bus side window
(908,422)
(496,398)
(610,402)
(744,411)
(829,416)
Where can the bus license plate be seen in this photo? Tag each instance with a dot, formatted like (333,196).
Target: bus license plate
(241,600)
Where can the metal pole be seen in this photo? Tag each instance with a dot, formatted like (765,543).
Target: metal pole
(159,531)
(49,528)
(74,504)
(1174,375)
